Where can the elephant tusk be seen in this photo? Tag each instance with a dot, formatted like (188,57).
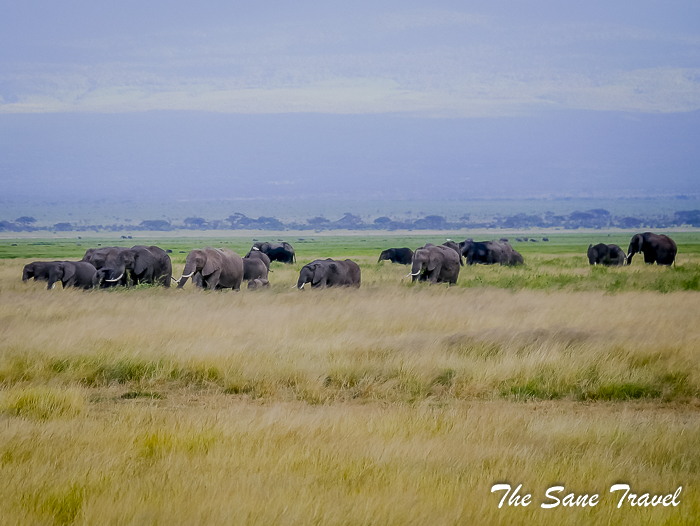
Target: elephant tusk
(183,276)
(115,279)
(256,248)
(175,280)
(413,274)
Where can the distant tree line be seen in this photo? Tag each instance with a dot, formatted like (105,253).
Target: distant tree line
(596,218)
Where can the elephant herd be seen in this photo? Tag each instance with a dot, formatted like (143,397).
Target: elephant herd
(219,268)
(440,264)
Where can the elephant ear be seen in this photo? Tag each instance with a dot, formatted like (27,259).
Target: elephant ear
(68,271)
(433,262)
(209,267)
(318,274)
(140,264)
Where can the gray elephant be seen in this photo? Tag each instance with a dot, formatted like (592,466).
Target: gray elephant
(138,264)
(39,270)
(254,269)
(97,257)
(257,284)
(213,268)
(436,264)
(283,252)
(454,246)
(657,248)
(257,254)
(608,255)
(330,273)
(79,274)
(403,256)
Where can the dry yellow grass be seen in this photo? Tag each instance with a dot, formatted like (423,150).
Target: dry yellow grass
(384,405)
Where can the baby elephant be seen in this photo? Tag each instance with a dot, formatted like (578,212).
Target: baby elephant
(257,284)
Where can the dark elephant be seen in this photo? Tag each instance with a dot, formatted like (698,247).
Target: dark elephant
(403,256)
(608,255)
(213,268)
(657,248)
(39,270)
(256,254)
(79,274)
(283,252)
(254,268)
(490,253)
(436,264)
(257,284)
(139,264)
(330,273)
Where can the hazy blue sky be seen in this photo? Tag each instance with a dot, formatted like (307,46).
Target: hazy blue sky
(393,99)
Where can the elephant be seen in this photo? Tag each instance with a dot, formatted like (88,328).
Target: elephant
(436,264)
(213,268)
(257,284)
(404,256)
(78,274)
(97,257)
(608,255)
(256,254)
(277,252)
(490,253)
(657,248)
(454,246)
(254,269)
(39,270)
(138,264)
(330,273)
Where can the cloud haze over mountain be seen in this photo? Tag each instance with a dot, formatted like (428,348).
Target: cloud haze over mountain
(400,100)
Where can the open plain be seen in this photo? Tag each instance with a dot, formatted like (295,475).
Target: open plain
(397,403)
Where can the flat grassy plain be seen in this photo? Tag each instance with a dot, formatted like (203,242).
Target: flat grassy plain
(392,404)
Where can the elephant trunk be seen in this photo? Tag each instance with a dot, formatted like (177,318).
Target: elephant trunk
(183,279)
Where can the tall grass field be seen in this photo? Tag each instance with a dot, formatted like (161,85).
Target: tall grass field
(394,404)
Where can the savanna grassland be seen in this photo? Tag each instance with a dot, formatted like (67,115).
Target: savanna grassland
(392,404)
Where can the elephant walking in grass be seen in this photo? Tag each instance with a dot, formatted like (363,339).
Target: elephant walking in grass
(254,269)
(213,268)
(139,264)
(38,270)
(608,255)
(657,248)
(283,252)
(403,256)
(436,264)
(324,273)
(79,274)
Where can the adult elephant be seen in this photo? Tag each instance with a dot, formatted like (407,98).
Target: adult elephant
(256,254)
(436,264)
(213,268)
(490,253)
(254,269)
(608,255)
(79,274)
(139,264)
(657,248)
(403,256)
(330,273)
(97,257)
(283,252)
(454,246)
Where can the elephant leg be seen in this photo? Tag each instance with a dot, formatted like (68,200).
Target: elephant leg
(213,280)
